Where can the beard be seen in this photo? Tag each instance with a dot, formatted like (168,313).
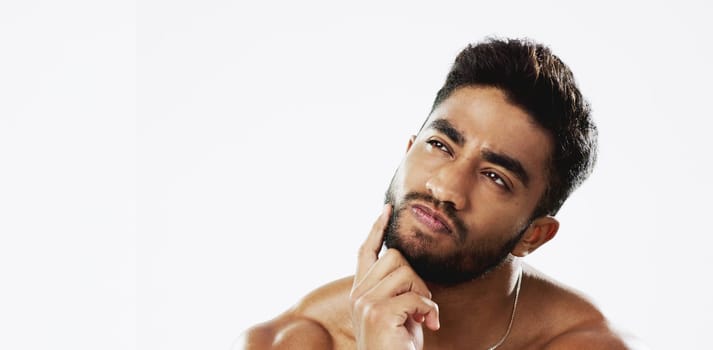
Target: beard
(467,262)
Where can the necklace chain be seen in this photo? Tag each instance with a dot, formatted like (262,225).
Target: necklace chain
(512,315)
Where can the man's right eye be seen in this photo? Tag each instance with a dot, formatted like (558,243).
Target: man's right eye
(439,145)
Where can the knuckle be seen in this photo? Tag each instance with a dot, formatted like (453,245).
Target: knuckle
(402,272)
(393,255)
(429,303)
(420,286)
(420,299)
(399,257)
(414,297)
(393,251)
(406,272)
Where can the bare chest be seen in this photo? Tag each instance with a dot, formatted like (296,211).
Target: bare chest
(345,341)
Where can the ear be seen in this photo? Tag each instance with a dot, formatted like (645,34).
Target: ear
(410,142)
(540,231)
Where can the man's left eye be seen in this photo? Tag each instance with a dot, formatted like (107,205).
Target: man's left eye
(497,179)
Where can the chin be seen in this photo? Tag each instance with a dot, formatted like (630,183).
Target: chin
(413,243)
(432,265)
(445,267)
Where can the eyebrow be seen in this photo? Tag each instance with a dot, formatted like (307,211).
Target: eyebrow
(507,162)
(511,164)
(445,127)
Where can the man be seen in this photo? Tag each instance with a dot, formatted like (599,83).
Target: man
(509,137)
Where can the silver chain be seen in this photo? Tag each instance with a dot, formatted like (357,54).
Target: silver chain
(512,315)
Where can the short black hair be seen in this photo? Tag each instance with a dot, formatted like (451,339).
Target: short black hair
(537,81)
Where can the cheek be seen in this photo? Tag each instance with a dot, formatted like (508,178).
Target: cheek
(413,174)
(514,214)
(495,221)
(397,186)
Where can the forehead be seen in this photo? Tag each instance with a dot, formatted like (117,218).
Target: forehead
(488,120)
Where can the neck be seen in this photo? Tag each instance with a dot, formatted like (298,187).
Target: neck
(476,313)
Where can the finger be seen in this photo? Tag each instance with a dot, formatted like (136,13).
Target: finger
(386,264)
(369,250)
(411,304)
(400,280)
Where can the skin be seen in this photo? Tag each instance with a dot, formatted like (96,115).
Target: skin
(386,305)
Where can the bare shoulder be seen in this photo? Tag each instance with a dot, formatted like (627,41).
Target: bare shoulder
(595,337)
(320,320)
(286,333)
(568,319)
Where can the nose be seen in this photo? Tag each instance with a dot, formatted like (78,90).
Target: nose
(449,184)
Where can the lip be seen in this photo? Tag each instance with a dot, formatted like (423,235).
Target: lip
(431,218)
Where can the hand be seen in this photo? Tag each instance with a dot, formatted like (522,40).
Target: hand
(390,303)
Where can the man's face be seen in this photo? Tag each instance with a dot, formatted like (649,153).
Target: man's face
(467,187)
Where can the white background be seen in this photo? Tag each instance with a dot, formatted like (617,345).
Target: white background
(173,172)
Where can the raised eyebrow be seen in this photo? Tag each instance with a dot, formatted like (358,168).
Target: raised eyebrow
(445,127)
(509,163)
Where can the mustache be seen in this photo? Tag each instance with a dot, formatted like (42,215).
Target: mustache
(447,208)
